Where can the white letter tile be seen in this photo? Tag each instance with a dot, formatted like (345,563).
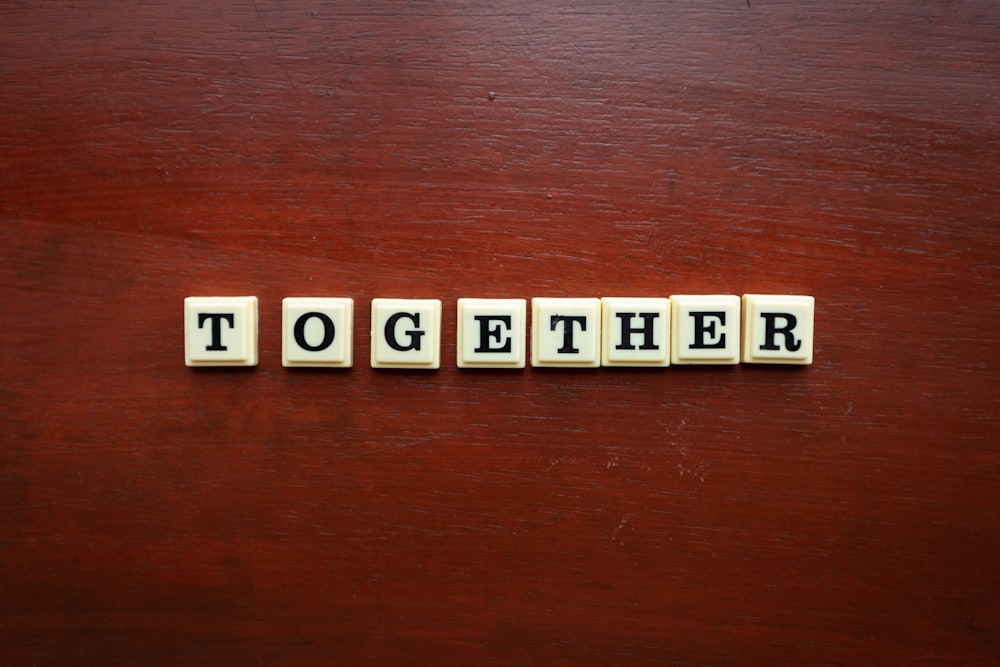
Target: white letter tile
(777,329)
(220,331)
(491,333)
(705,329)
(566,332)
(406,333)
(635,332)
(317,332)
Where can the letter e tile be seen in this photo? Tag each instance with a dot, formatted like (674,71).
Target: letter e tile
(491,333)
(705,329)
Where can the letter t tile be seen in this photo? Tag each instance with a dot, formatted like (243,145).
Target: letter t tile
(220,331)
(566,332)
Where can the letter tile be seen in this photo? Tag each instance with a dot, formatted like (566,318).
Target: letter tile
(317,332)
(705,329)
(566,332)
(635,332)
(491,333)
(220,331)
(406,333)
(777,329)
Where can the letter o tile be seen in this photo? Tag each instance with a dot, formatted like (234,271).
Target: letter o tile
(317,332)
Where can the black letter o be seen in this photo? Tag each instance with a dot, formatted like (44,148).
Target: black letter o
(300,332)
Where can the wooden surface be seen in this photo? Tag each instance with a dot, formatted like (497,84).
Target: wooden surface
(844,513)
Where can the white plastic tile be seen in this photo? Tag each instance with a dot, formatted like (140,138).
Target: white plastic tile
(705,329)
(317,332)
(491,333)
(406,333)
(635,332)
(566,332)
(777,329)
(220,331)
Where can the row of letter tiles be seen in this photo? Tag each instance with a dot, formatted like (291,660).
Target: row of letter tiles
(491,333)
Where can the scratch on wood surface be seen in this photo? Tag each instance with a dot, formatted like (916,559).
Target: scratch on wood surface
(274,46)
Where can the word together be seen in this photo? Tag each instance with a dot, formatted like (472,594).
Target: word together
(493,333)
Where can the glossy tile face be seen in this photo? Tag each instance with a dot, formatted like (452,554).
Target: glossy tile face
(406,333)
(635,332)
(317,332)
(566,332)
(220,331)
(705,329)
(491,333)
(777,329)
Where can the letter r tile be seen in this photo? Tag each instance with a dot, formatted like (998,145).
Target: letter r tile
(406,333)
(777,329)
(220,331)
(566,332)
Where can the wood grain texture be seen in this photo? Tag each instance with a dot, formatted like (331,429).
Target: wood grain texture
(843,513)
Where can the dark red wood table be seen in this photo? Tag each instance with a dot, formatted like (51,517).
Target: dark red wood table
(842,513)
